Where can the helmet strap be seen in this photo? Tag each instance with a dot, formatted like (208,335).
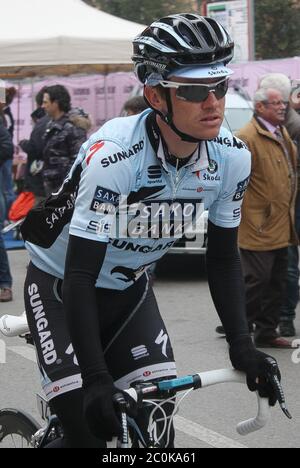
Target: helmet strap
(169,120)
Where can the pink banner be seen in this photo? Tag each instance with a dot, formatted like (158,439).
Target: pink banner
(99,95)
(247,75)
(103,96)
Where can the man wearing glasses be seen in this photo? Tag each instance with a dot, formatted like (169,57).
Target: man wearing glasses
(173,158)
(267,227)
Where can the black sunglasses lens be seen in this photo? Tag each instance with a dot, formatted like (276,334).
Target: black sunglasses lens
(194,93)
(221,89)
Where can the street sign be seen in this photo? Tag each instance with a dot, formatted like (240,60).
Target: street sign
(235,16)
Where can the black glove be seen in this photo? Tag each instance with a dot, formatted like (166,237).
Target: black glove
(99,408)
(262,370)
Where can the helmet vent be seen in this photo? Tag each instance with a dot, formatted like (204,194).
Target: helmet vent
(188,34)
(217,30)
(205,33)
(167,39)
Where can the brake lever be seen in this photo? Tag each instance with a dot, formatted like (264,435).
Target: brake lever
(280,396)
(274,380)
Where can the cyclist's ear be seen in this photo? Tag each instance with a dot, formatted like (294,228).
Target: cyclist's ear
(155,96)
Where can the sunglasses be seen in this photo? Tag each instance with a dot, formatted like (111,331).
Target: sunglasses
(197,92)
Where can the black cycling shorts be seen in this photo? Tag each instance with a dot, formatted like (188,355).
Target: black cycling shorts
(133,335)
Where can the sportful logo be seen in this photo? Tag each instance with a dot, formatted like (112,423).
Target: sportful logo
(139,352)
(154,172)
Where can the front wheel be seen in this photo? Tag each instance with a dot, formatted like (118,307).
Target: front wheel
(16,429)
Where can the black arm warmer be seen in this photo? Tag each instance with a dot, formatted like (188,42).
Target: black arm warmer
(83,264)
(226,281)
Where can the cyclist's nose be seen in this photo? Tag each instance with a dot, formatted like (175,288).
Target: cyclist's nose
(211,100)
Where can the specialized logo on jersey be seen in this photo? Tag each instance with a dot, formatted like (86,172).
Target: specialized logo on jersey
(105,201)
(162,339)
(241,189)
(93,150)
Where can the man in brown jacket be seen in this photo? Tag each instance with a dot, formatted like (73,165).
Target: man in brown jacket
(292,123)
(267,227)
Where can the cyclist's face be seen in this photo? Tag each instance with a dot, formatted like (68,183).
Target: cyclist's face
(200,119)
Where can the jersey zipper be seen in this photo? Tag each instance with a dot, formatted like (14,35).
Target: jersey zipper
(175,182)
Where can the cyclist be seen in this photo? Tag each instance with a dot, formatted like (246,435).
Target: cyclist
(172,155)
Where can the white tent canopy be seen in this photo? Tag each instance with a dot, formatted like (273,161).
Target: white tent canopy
(62,32)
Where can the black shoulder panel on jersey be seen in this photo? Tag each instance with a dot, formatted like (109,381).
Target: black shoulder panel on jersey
(45,222)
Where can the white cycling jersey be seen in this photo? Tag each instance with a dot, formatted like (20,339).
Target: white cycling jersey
(130,197)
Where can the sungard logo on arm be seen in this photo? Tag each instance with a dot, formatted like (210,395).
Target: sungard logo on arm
(105,201)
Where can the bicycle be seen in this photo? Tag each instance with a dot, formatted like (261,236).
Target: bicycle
(16,424)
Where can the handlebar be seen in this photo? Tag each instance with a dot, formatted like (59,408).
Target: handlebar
(229,375)
(11,325)
(163,389)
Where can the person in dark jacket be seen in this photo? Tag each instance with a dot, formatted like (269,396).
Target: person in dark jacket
(34,148)
(6,152)
(10,94)
(6,146)
(7,167)
(64,136)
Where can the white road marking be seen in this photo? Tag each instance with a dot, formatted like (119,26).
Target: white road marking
(205,435)
(24,351)
(184,425)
